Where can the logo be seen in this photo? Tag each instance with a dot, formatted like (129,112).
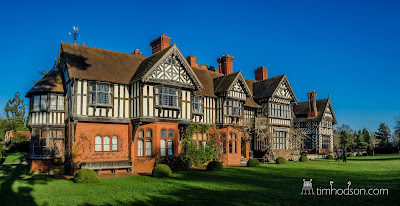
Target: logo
(309,190)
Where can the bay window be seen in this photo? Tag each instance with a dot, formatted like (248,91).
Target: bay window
(279,140)
(167,97)
(234,108)
(56,102)
(43,102)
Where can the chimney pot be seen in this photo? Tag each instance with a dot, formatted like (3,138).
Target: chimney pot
(225,64)
(137,52)
(160,43)
(261,73)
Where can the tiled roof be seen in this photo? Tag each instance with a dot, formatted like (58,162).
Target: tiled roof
(266,88)
(51,82)
(301,111)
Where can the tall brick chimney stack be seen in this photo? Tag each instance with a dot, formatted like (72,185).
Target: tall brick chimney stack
(192,60)
(312,104)
(261,73)
(160,43)
(225,64)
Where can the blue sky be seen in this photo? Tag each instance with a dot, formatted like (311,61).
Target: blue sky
(348,49)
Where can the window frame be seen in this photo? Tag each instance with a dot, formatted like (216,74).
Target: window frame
(199,103)
(96,92)
(232,109)
(114,144)
(96,144)
(159,97)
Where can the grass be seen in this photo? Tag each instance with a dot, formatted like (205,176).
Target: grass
(15,157)
(270,184)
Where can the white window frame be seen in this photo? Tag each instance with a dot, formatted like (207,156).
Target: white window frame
(140,148)
(198,104)
(163,147)
(170,147)
(114,143)
(106,144)
(167,97)
(97,92)
(98,144)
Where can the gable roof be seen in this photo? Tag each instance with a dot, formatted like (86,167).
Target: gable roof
(267,88)
(51,82)
(300,111)
(91,63)
(225,83)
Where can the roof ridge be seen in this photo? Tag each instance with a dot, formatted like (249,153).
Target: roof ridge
(106,50)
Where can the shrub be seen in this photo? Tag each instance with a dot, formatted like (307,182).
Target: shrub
(358,154)
(253,163)
(304,158)
(215,166)
(329,157)
(175,163)
(86,176)
(370,150)
(349,149)
(350,155)
(281,160)
(364,154)
(162,170)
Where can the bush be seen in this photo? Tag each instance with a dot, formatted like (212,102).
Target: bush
(86,176)
(370,150)
(329,157)
(162,170)
(349,149)
(253,163)
(350,155)
(303,158)
(364,154)
(281,160)
(215,166)
(358,154)
(175,163)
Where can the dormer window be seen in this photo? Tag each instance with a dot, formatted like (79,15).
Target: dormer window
(100,94)
(198,105)
(166,97)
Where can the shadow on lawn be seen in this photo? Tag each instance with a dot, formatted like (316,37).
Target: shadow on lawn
(11,174)
(381,159)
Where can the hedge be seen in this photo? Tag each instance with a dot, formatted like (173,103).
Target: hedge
(281,160)
(253,163)
(86,176)
(162,170)
(215,166)
(304,158)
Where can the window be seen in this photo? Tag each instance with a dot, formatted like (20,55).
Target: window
(149,133)
(166,96)
(36,102)
(140,148)
(234,108)
(308,143)
(53,102)
(279,110)
(232,142)
(100,94)
(326,142)
(114,143)
(140,134)
(163,133)
(170,147)
(195,136)
(198,105)
(106,144)
(60,105)
(98,144)
(148,148)
(230,147)
(170,133)
(171,61)
(279,140)
(43,102)
(162,146)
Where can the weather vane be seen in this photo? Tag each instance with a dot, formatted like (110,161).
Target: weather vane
(75,34)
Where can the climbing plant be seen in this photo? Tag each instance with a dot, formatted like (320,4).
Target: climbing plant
(198,154)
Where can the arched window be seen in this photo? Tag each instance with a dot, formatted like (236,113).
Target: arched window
(106,144)
(162,146)
(195,136)
(97,142)
(140,134)
(163,133)
(149,133)
(148,148)
(170,147)
(114,143)
(140,148)
(170,133)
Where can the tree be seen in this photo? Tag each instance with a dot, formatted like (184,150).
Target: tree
(383,135)
(43,73)
(346,139)
(15,107)
(397,132)
(367,136)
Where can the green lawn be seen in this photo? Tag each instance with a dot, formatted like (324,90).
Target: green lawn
(269,184)
(15,157)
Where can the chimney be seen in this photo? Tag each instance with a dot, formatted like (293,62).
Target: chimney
(261,73)
(192,60)
(225,64)
(211,68)
(312,104)
(137,52)
(160,43)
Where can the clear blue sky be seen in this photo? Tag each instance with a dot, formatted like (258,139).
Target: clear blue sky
(348,49)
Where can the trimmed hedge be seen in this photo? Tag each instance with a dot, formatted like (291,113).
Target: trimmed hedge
(350,155)
(329,157)
(162,170)
(303,158)
(281,160)
(175,163)
(253,163)
(86,176)
(215,166)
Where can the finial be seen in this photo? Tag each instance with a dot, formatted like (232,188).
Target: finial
(75,34)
